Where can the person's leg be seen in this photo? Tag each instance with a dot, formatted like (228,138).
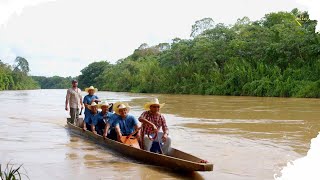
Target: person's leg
(73,112)
(112,135)
(100,127)
(77,113)
(147,143)
(88,126)
(166,145)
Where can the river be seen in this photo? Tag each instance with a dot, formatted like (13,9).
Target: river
(247,138)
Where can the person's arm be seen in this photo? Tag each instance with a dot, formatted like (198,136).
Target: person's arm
(106,129)
(119,135)
(146,122)
(143,120)
(164,129)
(136,127)
(84,128)
(95,99)
(93,128)
(85,102)
(94,122)
(67,100)
(80,97)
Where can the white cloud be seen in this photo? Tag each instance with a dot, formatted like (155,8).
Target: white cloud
(10,7)
(63,36)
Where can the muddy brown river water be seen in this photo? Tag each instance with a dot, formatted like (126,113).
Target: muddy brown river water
(247,138)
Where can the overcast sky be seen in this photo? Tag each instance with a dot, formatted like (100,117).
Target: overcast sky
(61,37)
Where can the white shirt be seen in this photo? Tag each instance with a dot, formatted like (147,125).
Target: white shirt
(74,97)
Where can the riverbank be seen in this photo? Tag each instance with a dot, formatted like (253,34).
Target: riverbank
(276,56)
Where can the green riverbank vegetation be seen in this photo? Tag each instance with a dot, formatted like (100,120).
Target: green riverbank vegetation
(278,55)
(16,77)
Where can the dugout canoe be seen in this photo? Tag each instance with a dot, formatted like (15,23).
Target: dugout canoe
(176,159)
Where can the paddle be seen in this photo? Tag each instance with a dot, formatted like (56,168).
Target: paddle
(80,111)
(131,141)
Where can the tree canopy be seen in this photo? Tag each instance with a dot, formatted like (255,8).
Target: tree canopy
(278,55)
(16,77)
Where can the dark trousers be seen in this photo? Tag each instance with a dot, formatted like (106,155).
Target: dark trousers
(100,128)
(113,134)
(88,126)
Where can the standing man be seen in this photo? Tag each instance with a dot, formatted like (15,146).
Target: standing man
(74,99)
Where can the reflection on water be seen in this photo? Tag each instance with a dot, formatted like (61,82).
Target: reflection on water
(245,137)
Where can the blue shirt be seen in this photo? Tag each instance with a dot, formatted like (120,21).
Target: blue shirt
(126,125)
(89,118)
(101,118)
(87,100)
(113,119)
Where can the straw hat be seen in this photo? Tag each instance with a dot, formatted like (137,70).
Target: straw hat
(154,102)
(91,88)
(120,105)
(93,104)
(104,103)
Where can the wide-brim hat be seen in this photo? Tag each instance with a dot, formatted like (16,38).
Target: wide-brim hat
(90,88)
(155,101)
(92,104)
(121,105)
(104,103)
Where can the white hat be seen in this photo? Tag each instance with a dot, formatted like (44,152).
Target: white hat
(93,104)
(90,88)
(104,103)
(154,102)
(121,105)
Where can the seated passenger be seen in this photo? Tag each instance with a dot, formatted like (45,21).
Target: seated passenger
(93,113)
(124,123)
(152,120)
(102,118)
(89,99)
(109,130)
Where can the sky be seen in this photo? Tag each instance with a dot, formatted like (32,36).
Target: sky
(61,37)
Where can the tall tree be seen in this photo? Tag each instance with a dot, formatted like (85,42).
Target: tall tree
(22,65)
(201,25)
(91,72)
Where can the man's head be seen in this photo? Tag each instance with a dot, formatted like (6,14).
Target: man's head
(104,106)
(74,83)
(122,109)
(93,107)
(123,112)
(153,106)
(91,90)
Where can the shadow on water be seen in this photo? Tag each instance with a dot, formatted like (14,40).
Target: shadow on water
(190,175)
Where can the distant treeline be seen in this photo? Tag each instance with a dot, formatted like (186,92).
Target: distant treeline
(16,77)
(278,55)
(54,82)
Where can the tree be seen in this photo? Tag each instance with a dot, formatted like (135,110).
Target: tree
(91,72)
(22,65)
(201,25)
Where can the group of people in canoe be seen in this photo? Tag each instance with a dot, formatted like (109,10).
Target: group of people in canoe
(114,121)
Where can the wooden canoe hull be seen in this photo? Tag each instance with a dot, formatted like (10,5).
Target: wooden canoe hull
(176,159)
